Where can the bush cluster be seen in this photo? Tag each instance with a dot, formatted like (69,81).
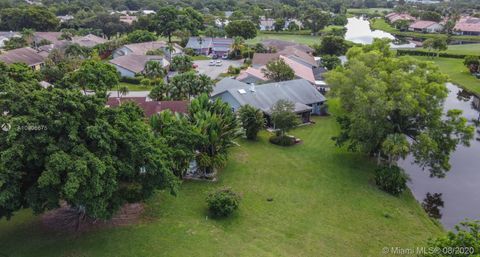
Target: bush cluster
(424,53)
(282,140)
(134,80)
(392,179)
(223,202)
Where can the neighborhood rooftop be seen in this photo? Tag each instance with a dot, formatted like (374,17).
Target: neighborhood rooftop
(24,55)
(136,63)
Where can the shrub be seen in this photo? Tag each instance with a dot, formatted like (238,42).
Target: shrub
(392,180)
(134,80)
(282,140)
(233,70)
(189,51)
(223,202)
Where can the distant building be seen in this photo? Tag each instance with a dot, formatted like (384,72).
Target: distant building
(64,18)
(25,55)
(7,35)
(267,24)
(89,40)
(426,26)
(306,98)
(143,48)
(208,45)
(149,106)
(128,19)
(52,37)
(393,17)
(131,65)
(468,25)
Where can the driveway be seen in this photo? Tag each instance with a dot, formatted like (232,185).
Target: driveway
(214,71)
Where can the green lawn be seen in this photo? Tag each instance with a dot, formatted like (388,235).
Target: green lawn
(324,204)
(134,87)
(466,49)
(381,24)
(457,72)
(300,39)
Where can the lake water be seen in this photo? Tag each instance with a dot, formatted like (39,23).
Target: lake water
(358,31)
(455,197)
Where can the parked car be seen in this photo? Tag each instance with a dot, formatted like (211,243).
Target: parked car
(219,63)
(211,63)
(225,56)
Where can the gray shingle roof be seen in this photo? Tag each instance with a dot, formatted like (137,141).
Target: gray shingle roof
(136,63)
(264,96)
(22,55)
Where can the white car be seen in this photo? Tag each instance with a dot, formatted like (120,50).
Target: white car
(211,63)
(219,63)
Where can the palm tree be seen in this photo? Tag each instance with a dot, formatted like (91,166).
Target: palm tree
(124,91)
(170,50)
(154,69)
(237,45)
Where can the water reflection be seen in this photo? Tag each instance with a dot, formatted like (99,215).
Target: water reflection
(432,205)
(460,188)
(359,31)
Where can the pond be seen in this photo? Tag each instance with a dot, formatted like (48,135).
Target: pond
(455,197)
(359,31)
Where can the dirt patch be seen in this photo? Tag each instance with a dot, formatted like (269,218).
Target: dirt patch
(65,219)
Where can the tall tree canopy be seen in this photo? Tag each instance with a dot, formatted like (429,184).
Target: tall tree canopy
(64,146)
(278,70)
(31,17)
(241,28)
(385,98)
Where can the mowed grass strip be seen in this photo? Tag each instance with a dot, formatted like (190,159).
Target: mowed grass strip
(324,204)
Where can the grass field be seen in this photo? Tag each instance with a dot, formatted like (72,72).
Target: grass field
(457,72)
(466,49)
(134,87)
(324,204)
(300,39)
(381,24)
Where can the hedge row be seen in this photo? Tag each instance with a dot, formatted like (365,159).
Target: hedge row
(134,80)
(424,53)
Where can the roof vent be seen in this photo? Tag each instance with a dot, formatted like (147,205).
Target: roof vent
(242,91)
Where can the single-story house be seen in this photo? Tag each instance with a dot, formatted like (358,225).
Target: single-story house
(24,55)
(7,35)
(306,98)
(254,74)
(267,24)
(208,45)
(149,106)
(131,65)
(143,48)
(281,45)
(128,19)
(426,26)
(468,25)
(393,17)
(52,37)
(89,40)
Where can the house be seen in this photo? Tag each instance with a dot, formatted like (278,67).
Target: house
(132,64)
(149,106)
(280,45)
(426,26)
(468,25)
(64,18)
(267,24)
(7,35)
(89,40)
(208,45)
(143,48)
(393,17)
(51,37)
(128,19)
(302,63)
(306,98)
(25,55)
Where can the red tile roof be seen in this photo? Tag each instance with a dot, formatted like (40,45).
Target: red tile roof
(150,107)
(422,24)
(468,24)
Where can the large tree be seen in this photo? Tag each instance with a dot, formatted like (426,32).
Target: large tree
(278,70)
(217,122)
(95,75)
(331,45)
(252,120)
(386,99)
(166,22)
(63,146)
(31,17)
(241,28)
(283,116)
(316,19)
(189,84)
